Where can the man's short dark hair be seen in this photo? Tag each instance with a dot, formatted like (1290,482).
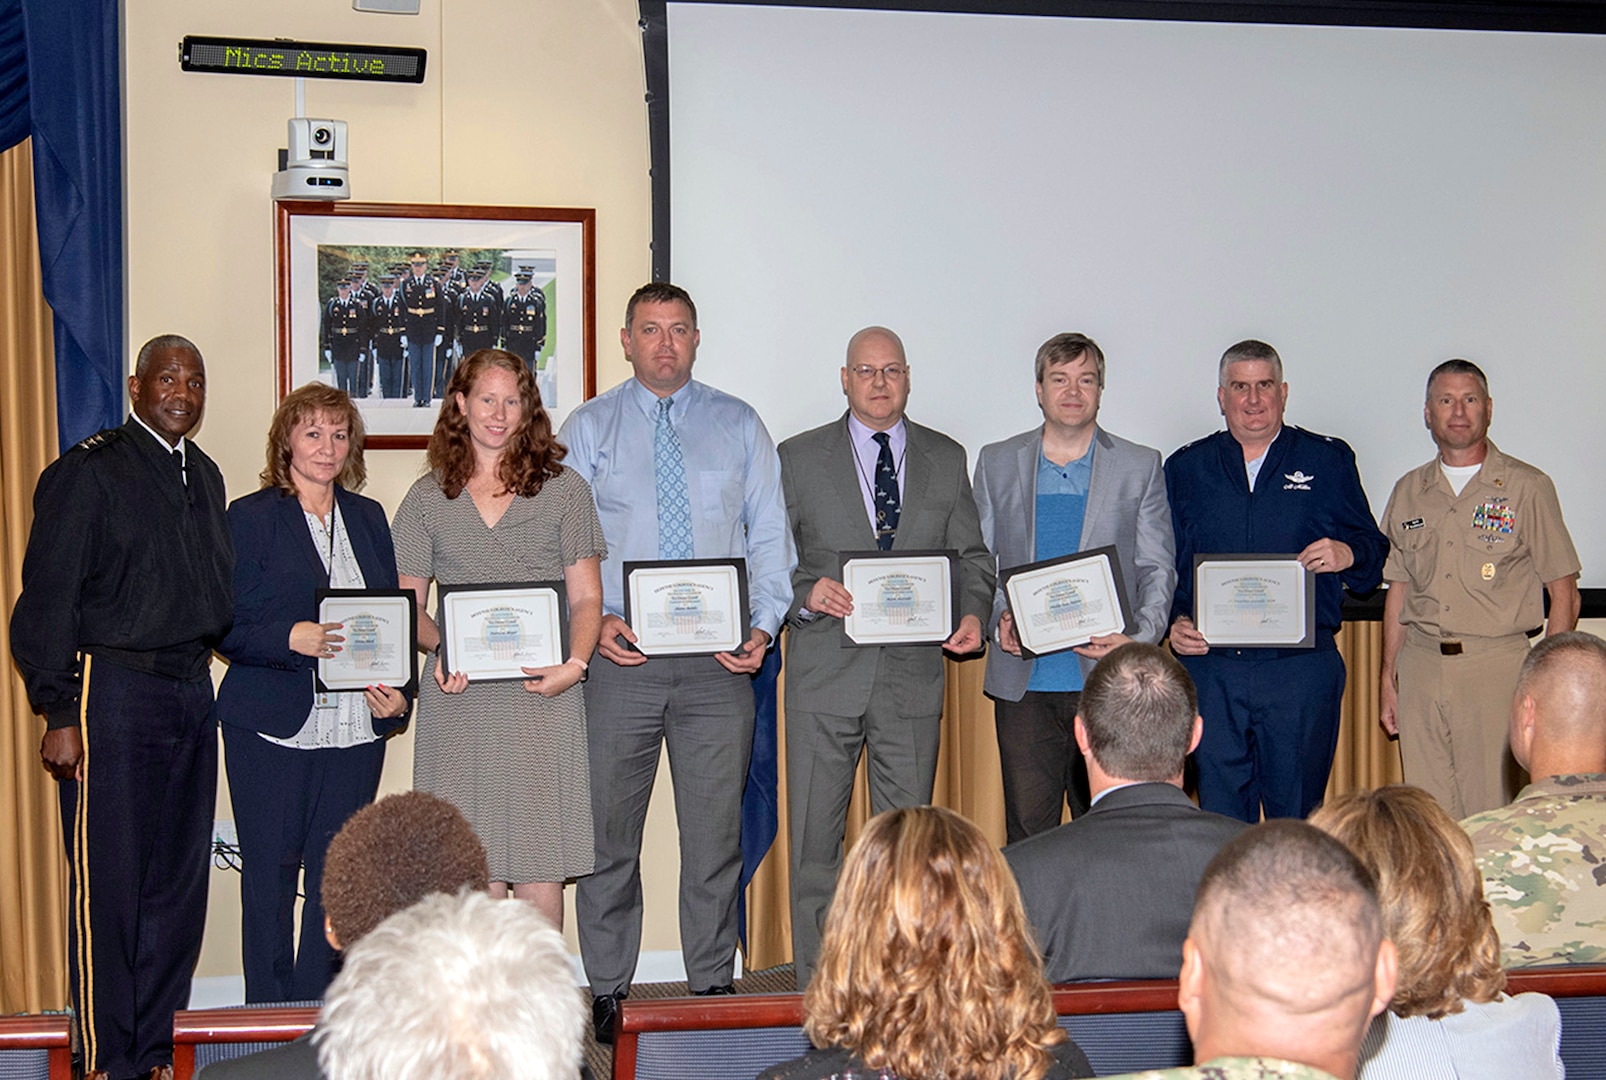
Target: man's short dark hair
(1554,650)
(1067,349)
(142,364)
(1138,707)
(1284,891)
(659,292)
(391,854)
(1458,366)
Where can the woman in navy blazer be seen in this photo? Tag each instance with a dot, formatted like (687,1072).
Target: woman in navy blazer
(298,763)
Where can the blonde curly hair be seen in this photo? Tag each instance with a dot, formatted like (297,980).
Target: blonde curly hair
(927,966)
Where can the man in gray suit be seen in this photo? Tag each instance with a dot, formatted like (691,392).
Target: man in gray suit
(1065,487)
(1110,894)
(869,479)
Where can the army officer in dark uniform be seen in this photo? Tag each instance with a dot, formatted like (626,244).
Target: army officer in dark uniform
(387,322)
(524,319)
(479,320)
(342,336)
(126,587)
(421,296)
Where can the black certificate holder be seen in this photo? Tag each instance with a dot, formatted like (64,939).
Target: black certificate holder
(951,555)
(1306,642)
(411,685)
(1108,551)
(443,591)
(744,601)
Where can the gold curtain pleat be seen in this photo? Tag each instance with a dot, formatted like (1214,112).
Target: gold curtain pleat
(33,931)
(968,778)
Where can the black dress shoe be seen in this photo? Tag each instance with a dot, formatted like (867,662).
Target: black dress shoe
(715,991)
(604,1012)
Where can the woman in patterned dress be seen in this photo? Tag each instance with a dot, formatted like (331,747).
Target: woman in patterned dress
(497,507)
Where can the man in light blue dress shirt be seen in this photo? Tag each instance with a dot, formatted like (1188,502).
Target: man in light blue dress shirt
(678,470)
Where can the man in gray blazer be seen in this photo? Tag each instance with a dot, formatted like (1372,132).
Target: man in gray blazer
(1110,894)
(869,479)
(1065,487)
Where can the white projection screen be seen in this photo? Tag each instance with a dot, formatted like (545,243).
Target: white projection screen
(1370,201)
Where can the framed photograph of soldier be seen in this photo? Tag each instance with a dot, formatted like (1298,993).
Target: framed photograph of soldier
(381,631)
(900,597)
(1058,604)
(384,300)
(491,633)
(1254,601)
(687,607)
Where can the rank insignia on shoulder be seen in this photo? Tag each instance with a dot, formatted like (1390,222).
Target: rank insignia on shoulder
(1414,523)
(98,439)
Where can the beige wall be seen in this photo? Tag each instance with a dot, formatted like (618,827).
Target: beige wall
(527,102)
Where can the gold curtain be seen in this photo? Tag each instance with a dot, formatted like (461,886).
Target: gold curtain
(33,906)
(968,778)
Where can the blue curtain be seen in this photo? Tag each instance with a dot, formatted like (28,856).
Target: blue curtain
(760,799)
(59,82)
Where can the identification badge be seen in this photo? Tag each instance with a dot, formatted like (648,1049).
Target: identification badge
(1414,523)
(1488,571)
(325,701)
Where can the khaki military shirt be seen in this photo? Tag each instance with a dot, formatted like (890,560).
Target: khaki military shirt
(1541,863)
(1236,1068)
(1476,562)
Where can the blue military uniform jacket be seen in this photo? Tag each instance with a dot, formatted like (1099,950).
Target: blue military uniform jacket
(1308,488)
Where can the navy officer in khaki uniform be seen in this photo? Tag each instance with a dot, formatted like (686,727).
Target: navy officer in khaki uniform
(1474,535)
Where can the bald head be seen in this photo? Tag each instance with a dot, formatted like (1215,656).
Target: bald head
(877,337)
(1558,714)
(1286,956)
(875,378)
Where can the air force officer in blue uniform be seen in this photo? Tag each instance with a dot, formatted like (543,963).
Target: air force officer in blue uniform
(1270,714)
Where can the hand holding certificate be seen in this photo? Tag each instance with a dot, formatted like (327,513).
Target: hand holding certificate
(900,598)
(1254,601)
(492,633)
(381,645)
(1058,604)
(687,607)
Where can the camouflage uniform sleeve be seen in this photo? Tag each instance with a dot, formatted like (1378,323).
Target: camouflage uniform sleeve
(1543,861)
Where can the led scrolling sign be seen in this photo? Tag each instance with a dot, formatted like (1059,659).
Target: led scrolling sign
(302,59)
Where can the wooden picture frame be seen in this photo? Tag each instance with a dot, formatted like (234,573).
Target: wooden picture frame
(318,243)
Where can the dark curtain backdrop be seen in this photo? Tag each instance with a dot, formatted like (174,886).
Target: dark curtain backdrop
(59,82)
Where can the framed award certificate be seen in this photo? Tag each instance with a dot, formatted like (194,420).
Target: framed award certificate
(381,631)
(493,632)
(900,597)
(1058,604)
(1254,601)
(687,607)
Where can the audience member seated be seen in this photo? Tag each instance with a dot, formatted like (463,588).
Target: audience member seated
(1449,1019)
(388,856)
(462,986)
(1286,963)
(1541,857)
(926,966)
(1110,893)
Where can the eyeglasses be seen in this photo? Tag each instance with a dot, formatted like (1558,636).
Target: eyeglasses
(892,372)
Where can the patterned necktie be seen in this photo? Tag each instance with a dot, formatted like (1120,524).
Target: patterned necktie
(669,476)
(886,493)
